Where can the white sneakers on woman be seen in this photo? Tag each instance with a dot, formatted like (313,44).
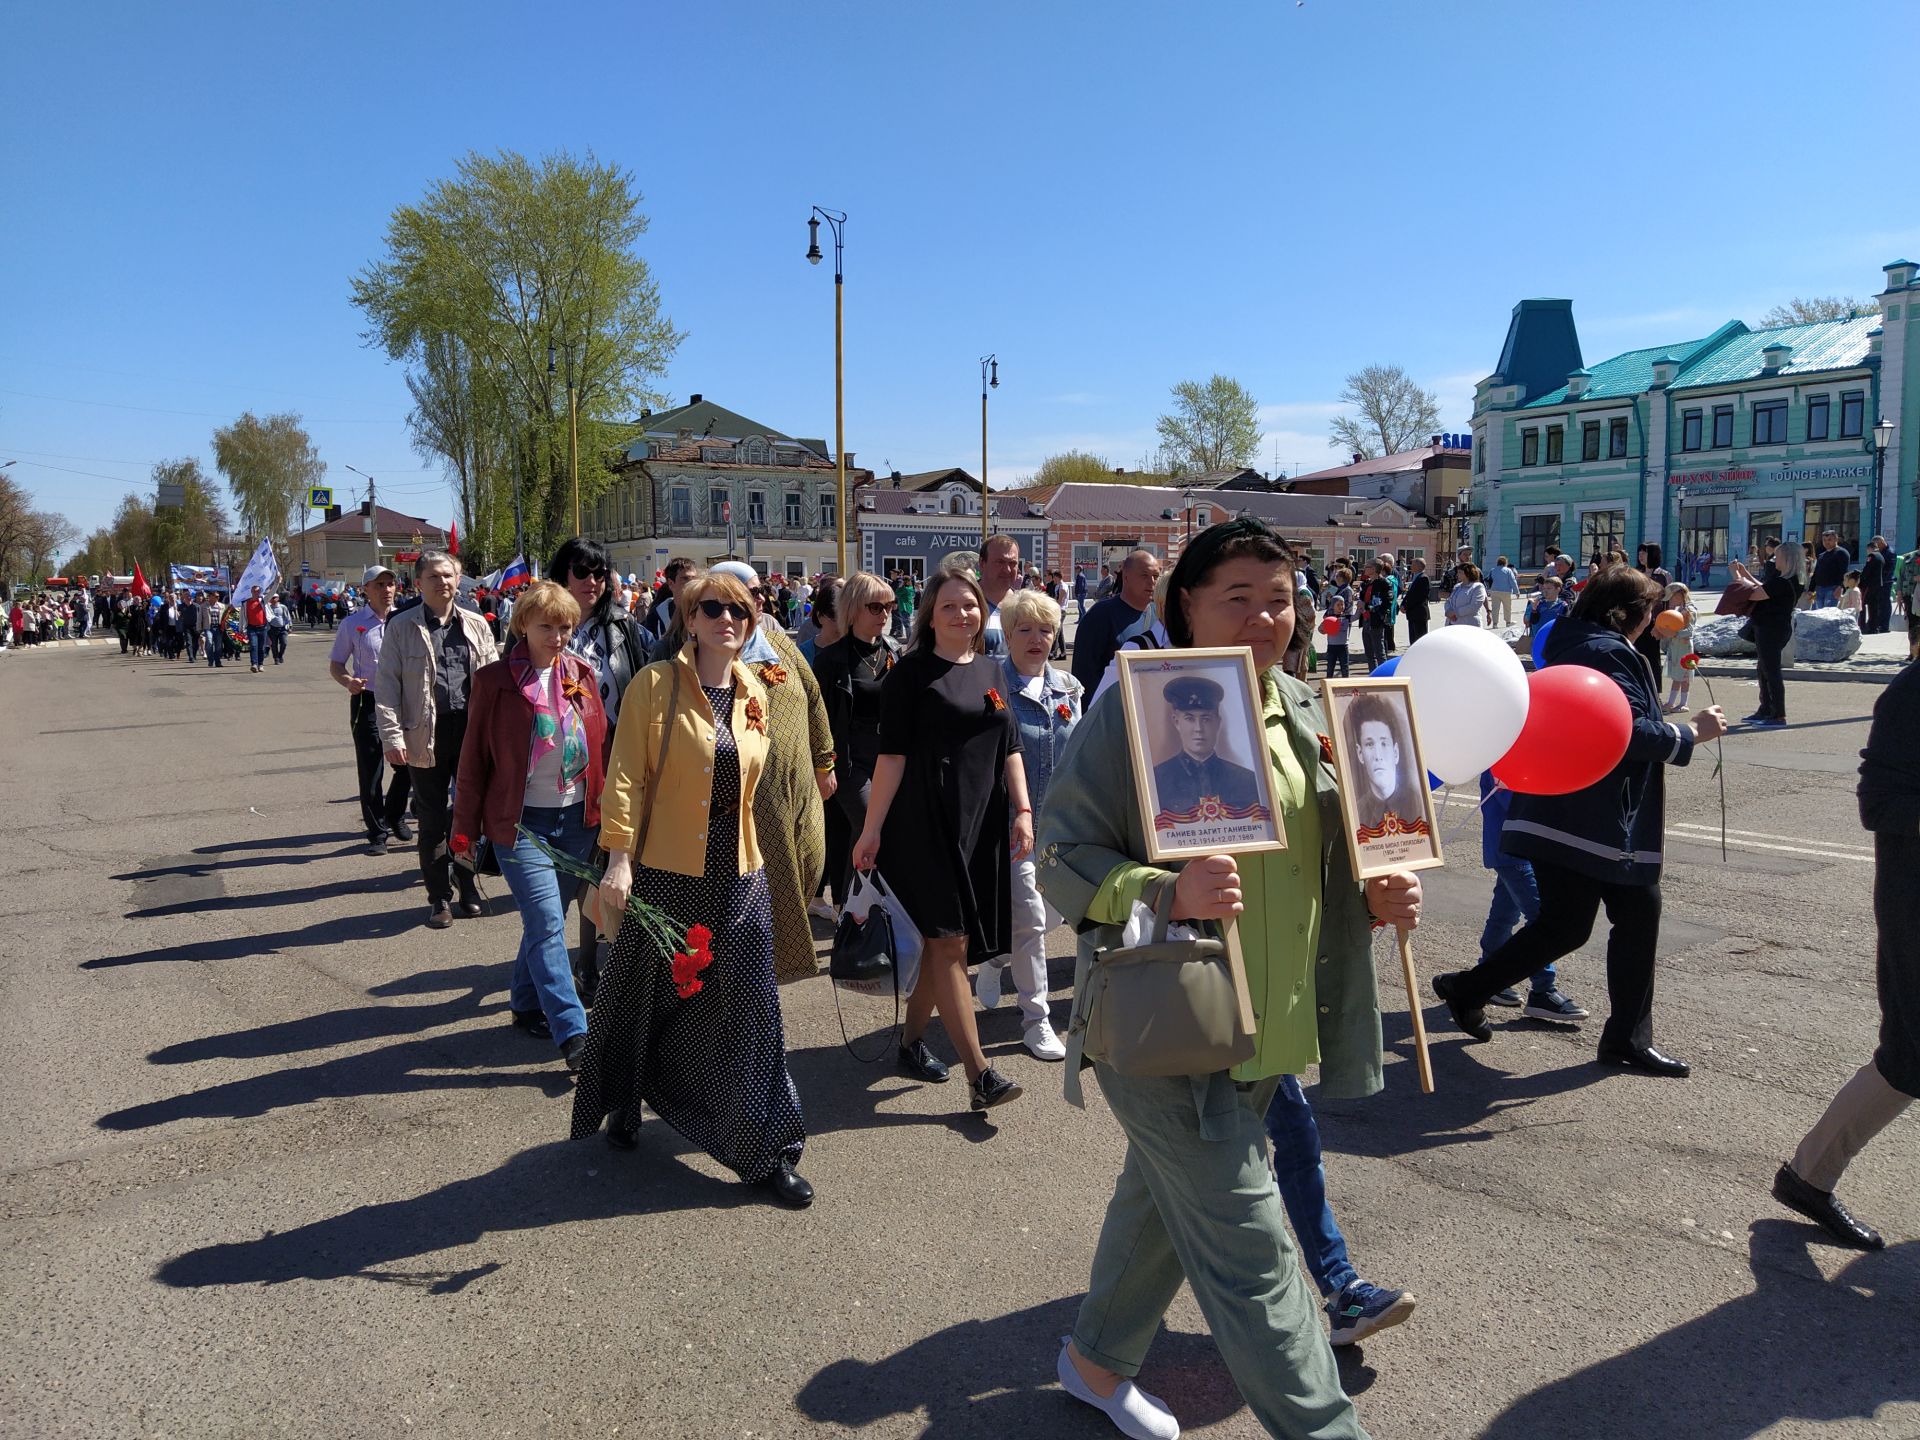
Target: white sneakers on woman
(1133,1411)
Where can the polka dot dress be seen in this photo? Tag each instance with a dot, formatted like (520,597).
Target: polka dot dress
(713,1066)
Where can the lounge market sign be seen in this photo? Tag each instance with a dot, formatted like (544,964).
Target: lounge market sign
(1785,475)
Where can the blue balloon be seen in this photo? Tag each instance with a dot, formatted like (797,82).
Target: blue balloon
(1385,667)
(1434,782)
(1540,643)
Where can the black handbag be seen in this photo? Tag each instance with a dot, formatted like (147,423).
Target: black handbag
(864,958)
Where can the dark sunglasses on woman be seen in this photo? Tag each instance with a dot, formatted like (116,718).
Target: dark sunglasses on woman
(589,572)
(881,607)
(714,609)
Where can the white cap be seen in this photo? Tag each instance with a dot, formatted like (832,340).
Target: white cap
(374,572)
(739,570)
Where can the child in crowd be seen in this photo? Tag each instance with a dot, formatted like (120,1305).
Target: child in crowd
(1679,646)
(1546,606)
(1516,901)
(1339,637)
(1851,600)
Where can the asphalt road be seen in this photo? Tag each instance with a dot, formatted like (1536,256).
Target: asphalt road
(275,1162)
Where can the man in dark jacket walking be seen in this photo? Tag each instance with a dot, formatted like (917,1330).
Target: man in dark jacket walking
(1876,586)
(1415,601)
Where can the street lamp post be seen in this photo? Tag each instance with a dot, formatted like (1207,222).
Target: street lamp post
(988,366)
(1882,437)
(836,222)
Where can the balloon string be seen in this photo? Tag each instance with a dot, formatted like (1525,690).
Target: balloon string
(1446,797)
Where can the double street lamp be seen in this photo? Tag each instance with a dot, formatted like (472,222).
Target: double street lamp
(989,378)
(836,222)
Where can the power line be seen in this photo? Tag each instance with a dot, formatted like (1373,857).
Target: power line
(191,414)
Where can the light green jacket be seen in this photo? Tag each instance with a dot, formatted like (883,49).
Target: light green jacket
(1091,825)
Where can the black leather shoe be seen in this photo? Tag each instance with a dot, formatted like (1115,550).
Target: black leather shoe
(1644,1058)
(620,1131)
(921,1063)
(402,831)
(1469,1019)
(534,1023)
(470,906)
(788,1188)
(1825,1210)
(440,916)
(573,1051)
(993,1088)
(377,845)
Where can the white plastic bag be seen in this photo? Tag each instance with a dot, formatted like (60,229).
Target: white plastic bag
(870,889)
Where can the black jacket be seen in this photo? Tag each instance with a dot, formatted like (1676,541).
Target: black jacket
(1613,830)
(1890,766)
(1419,592)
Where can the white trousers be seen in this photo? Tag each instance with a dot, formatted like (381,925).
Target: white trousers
(1502,609)
(1032,918)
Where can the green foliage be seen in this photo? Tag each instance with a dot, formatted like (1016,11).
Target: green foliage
(28,537)
(269,465)
(1213,426)
(492,268)
(1799,311)
(1395,413)
(157,538)
(1073,465)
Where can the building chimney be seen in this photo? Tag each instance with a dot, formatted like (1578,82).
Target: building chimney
(1119,469)
(896,479)
(695,399)
(1358,457)
(849,456)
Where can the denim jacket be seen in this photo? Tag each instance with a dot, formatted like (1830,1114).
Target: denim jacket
(1043,733)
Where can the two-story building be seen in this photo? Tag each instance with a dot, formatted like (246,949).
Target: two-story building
(1707,446)
(339,551)
(908,524)
(707,483)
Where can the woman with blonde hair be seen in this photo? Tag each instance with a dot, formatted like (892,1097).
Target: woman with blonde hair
(948,791)
(532,761)
(693,1028)
(1784,578)
(851,671)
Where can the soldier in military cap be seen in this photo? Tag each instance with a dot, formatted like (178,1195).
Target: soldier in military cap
(1186,783)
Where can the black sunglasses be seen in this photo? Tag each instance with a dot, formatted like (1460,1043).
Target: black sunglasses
(589,572)
(714,609)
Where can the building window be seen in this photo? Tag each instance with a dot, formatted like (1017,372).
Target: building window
(1820,417)
(1479,457)
(1601,531)
(793,521)
(1723,427)
(1406,555)
(1529,447)
(1770,422)
(1841,515)
(1536,533)
(1556,444)
(1762,526)
(1703,531)
(756,507)
(1689,429)
(681,499)
(1853,413)
(716,507)
(1617,438)
(1590,440)
(827,521)
(1086,553)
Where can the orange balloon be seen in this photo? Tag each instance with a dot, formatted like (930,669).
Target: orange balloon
(1669,623)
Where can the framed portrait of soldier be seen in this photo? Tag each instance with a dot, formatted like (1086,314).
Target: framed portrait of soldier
(1198,748)
(1384,797)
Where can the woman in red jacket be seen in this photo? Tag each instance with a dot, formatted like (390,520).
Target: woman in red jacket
(535,759)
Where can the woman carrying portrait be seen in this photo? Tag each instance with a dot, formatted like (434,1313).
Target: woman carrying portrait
(1196,1197)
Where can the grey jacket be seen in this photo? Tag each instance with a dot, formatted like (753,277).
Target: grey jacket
(403,710)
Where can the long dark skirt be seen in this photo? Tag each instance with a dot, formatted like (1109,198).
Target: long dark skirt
(713,1066)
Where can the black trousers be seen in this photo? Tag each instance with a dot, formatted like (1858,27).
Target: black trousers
(432,796)
(193,645)
(381,805)
(851,798)
(1773,685)
(1416,624)
(277,643)
(1569,903)
(1896,913)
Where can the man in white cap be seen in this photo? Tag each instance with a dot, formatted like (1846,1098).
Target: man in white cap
(352,662)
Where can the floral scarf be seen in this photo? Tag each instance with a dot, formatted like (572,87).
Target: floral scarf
(556,718)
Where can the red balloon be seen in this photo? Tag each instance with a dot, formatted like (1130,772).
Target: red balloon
(1578,725)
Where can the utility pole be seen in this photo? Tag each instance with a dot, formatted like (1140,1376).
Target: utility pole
(373,513)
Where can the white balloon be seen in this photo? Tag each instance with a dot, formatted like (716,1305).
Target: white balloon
(1470,699)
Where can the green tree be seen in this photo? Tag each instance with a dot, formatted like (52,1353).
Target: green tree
(268,464)
(96,556)
(1212,426)
(1395,413)
(1071,465)
(185,534)
(502,287)
(28,537)
(1799,311)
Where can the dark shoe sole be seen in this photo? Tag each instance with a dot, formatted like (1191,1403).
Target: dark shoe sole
(794,1197)
(620,1135)
(1622,1060)
(1470,1022)
(1785,1189)
(908,1068)
(439,919)
(984,1102)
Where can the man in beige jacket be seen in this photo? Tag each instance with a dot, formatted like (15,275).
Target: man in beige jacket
(427,664)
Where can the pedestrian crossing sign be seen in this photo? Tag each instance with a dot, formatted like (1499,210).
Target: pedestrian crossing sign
(319,497)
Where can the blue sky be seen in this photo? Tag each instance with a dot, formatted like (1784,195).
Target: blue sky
(1113,197)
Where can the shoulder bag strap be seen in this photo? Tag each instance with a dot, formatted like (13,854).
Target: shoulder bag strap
(659,764)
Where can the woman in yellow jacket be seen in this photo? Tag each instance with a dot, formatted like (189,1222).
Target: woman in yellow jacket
(693,1031)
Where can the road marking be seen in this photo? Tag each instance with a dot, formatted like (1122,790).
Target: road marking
(1733,844)
(1741,839)
(1783,839)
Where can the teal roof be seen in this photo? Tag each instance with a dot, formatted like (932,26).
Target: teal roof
(1628,374)
(1823,345)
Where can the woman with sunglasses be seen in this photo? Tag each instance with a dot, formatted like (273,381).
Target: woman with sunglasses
(948,805)
(694,1032)
(851,671)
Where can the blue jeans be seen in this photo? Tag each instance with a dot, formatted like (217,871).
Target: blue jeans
(257,645)
(543,971)
(1516,902)
(216,649)
(1825,597)
(1302,1180)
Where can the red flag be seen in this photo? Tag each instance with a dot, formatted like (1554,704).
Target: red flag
(140,586)
(453,537)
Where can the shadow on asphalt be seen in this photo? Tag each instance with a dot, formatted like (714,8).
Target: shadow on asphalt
(1800,1347)
(386,884)
(385,924)
(542,1186)
(200,869)
(986,1379)
(838,1092)
(277,842)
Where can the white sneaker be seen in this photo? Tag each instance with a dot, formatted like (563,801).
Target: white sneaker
(1133,1411)
(1042,1043)
(824,909)
(989,986)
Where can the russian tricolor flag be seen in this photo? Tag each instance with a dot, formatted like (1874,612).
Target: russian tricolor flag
(515,574)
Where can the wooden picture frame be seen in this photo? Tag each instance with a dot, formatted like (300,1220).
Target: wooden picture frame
(1204,788)
(1375,735)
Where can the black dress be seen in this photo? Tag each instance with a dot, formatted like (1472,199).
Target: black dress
(714,1065)
(943,849)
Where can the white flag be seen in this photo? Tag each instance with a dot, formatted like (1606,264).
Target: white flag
(261,570)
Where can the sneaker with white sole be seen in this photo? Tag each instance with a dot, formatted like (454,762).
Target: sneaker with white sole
(989,986)
(823,909)
(1361,1309)
(1042,1043)
(1132,1410)
(1554,1007)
